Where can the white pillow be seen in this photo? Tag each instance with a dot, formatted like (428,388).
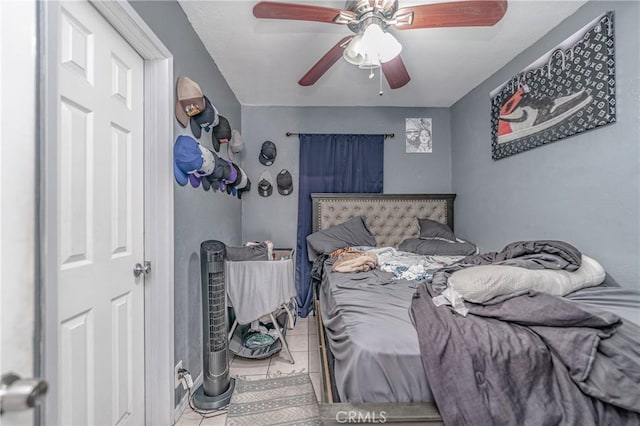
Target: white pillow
(480,283)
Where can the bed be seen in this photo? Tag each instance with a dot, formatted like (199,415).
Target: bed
(370,354)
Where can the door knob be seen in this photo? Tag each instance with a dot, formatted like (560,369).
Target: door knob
(17,394)
(139,269)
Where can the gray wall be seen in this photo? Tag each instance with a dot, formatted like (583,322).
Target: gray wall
(583,189)
(199,215)
(275,217)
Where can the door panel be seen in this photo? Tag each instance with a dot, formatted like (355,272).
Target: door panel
(121,358)
(121,192)
(77,383)
(100,302)
(76,172)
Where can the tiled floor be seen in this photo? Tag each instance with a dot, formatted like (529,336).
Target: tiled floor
(303,344)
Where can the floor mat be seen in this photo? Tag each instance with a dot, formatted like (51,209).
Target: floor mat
(287,400)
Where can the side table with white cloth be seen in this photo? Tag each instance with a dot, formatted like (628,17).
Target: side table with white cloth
(257,288)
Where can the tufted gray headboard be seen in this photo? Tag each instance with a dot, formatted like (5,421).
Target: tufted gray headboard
(391,218)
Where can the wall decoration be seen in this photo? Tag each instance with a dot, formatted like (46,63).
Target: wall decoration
(418,135)
(569,90)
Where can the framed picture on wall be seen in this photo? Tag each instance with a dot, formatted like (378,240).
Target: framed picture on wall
(419,134)
(569,90)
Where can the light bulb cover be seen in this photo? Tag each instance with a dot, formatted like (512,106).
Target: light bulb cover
(372,47)
(389,48)
(354,53)
(373,35)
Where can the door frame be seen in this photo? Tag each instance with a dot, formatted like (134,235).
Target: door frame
(158,205)
(18,220)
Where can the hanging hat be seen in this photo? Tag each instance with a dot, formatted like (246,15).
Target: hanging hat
(235,145)
(244,185)
(205,120)
(221,133)
(221,169)
(194,180)
(229,176)
(236,182)
(285,182)
(264,185)
(190,100)
(232,175)
(247,188)
(213,182)
(232,190)
(205,183)
(243,179)
(268,153)
(189,157)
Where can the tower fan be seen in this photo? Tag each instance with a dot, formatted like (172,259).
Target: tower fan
(217,385)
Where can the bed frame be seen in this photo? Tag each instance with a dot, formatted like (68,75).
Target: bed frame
(391,218)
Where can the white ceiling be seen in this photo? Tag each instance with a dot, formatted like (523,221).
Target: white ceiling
(263,59)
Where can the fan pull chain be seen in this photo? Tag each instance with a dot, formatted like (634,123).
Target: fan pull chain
(380,92)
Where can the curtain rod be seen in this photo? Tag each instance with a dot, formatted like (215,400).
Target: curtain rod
(386,135)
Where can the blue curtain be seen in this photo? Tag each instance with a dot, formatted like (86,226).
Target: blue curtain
(331,163)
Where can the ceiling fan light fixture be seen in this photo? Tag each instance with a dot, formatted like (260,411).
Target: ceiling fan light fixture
(370,48)
(369,19)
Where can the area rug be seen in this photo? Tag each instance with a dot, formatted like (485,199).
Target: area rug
(287,400)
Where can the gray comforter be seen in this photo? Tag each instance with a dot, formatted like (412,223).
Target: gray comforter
(537,254)
(529,359)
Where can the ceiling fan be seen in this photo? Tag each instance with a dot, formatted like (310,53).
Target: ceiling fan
(372,46)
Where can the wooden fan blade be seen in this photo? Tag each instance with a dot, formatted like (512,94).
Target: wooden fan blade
(326,62)
(300,12)
(395,72)
(455,14)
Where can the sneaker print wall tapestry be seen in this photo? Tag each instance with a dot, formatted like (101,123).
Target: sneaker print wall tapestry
(569,90)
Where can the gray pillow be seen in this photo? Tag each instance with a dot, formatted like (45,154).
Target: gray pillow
(437,247)
(255,252)
(432,229)
(353,232)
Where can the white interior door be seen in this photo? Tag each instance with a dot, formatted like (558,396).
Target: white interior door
(100,222)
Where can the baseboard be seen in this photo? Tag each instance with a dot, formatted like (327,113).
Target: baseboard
(184,402)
